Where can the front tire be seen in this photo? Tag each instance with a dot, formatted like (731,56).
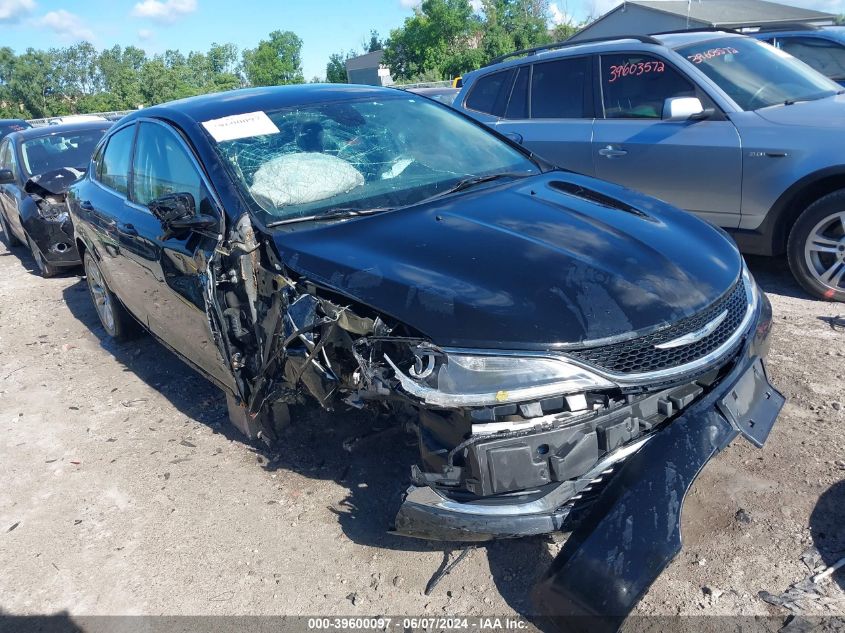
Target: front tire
(816,248)
(46,269)
(116,321)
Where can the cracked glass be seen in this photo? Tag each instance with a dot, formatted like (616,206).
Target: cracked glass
(362,155)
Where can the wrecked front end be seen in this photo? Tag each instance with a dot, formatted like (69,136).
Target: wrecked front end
(511,443)
(45,216)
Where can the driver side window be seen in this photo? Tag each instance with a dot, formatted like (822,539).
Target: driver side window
(162,166)
(635,86)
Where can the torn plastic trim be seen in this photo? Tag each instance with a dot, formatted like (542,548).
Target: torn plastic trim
(427,496)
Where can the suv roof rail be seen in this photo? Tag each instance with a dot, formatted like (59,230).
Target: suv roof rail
(645,39)
(703,29)
(794,26)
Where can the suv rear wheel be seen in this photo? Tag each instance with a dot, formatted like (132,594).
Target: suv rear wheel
(816,247)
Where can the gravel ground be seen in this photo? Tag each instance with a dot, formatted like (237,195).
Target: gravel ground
(125,492)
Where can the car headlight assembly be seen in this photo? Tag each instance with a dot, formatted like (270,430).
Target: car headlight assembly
(458,379)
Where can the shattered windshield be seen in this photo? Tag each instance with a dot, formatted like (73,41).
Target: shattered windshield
(356,156)
(756,75)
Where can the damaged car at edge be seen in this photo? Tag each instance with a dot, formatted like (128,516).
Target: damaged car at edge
(37,166)
(558,341)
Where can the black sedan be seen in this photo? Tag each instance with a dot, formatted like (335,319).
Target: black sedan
(560,341)
(37,165)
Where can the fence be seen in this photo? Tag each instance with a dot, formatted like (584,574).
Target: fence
(111,116)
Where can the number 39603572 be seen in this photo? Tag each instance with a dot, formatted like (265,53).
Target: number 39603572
(635,69)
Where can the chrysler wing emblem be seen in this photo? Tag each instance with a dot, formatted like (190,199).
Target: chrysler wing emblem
(694,337)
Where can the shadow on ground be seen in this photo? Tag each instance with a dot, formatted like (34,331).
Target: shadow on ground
(827,527)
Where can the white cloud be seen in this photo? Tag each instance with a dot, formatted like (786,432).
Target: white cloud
(829,6)
(66,24)
(477,5)
(557,15)
(410,4)
(164,10)
(14,10)
(145,34)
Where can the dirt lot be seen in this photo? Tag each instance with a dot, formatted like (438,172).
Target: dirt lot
(125,492)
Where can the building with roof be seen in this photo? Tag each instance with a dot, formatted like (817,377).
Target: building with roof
(368,69)
(644,17)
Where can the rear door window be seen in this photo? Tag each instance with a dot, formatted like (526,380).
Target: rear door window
(518,104)
(114,169)
(560,89)
(635,86)
(490,93)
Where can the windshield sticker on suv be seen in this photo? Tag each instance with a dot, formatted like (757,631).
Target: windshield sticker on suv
(635,69)
(710,54)
(238,126)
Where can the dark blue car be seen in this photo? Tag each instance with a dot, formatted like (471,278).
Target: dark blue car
(821,47)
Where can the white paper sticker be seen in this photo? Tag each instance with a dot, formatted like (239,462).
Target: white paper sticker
(244,125)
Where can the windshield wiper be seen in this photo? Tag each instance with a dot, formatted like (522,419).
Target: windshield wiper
(466,183)
(461,185)
(334,214)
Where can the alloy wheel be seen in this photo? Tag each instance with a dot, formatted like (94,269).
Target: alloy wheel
(101,296)
(824,251)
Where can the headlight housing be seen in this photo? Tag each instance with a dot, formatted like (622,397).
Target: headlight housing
(466,379)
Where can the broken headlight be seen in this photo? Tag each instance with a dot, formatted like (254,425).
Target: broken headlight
(53,212)
(458,379)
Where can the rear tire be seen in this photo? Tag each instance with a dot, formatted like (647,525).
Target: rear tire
(816,248)
(9,238)
(46,269)
(116,321)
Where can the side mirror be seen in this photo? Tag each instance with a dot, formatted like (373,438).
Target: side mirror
(173,206)
(7,177)
(684,109)
(177,214)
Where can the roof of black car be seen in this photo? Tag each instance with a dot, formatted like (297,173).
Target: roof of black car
(48,130)
(222,104)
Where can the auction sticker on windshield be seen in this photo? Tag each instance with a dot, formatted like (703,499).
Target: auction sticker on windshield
(238,126)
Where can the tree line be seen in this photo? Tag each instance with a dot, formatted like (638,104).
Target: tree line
(443,39)
(79,78)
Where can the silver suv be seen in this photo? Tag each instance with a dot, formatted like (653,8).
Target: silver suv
(734,130)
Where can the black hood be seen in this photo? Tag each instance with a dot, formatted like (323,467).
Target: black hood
(522,265)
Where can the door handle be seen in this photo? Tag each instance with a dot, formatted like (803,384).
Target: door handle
(611,152)
(128,229)
(86,205)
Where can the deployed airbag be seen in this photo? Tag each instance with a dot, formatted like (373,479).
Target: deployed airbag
(301,178)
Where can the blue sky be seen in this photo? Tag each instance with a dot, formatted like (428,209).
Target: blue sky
(325,26)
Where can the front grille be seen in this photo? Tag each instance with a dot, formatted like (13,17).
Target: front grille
(640,354)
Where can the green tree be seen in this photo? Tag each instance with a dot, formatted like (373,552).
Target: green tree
(373,44)
(336,69)
(441,39)
(514,25)
(276,61)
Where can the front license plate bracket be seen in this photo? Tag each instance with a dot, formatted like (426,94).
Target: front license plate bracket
(752,404)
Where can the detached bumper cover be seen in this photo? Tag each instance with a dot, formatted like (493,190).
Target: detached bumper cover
(633,530)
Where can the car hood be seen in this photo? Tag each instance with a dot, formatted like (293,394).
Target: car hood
(522,265)
(827,113)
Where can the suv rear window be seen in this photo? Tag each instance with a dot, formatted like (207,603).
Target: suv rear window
(559,89)
(635,86)
(490,93)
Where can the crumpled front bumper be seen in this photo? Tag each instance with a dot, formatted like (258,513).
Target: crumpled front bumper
(632,530)
(427,514)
